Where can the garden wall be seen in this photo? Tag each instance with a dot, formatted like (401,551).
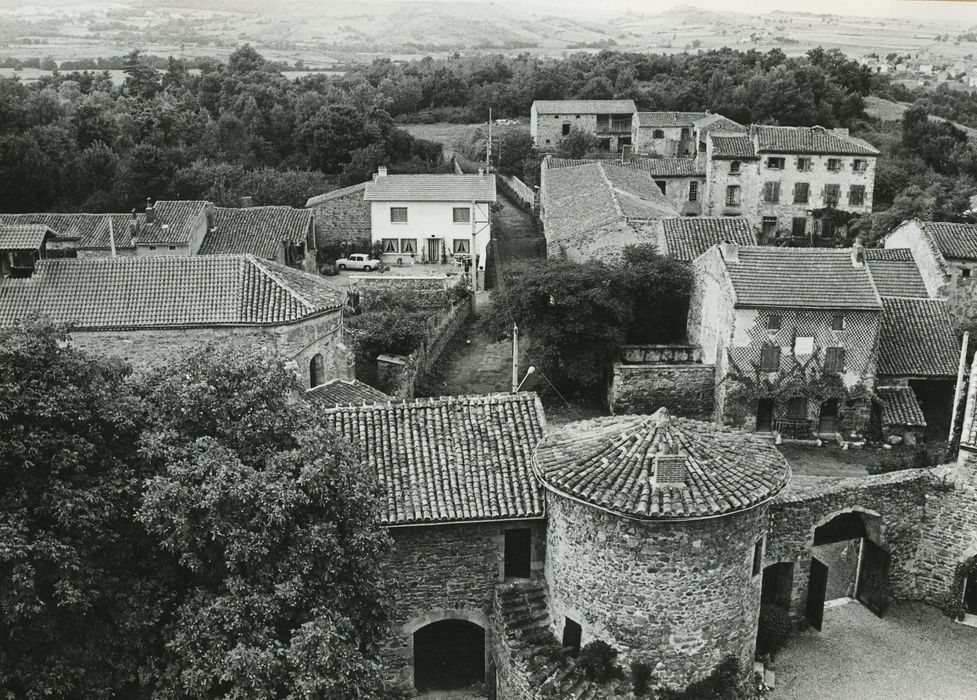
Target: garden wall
(518,190)
(650,377)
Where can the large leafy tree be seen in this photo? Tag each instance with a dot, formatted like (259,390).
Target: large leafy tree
(273,520)
(82,592)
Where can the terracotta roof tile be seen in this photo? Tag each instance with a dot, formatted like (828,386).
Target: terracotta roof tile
(450,459)
(92,230)
(342,392)
(335,194)
(657,167)
(585,106)
(900,407)
(917,339)
(611,463)
(165,291)
(173,221)
(686,238)
(730,147)
(953,240)
(895,272)
(431,188)
(809,139)
(673,119)
(256,231)
(22,236)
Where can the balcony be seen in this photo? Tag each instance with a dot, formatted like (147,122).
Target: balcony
(613,125)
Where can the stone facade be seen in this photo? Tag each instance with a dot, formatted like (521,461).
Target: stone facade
(652,377)
(609,120)
(680,596)
(448,572)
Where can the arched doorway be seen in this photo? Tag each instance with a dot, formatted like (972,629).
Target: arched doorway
(317,371)
(448,655)
(847,563)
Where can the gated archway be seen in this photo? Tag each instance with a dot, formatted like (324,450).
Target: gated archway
(449,655)
(849,542)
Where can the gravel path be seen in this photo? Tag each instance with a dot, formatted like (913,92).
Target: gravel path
(914,653)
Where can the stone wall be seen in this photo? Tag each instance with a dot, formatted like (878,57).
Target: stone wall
(680,596)
(447,572)
(519,191)
(684,389)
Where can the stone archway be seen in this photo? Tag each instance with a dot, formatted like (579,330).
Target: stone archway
(448,648)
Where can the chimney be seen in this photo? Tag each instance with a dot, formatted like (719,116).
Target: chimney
(481,172)
(857,254)
(626,154)
(133,227)
(382,171)
(150,212)
(730,251)
(246,202)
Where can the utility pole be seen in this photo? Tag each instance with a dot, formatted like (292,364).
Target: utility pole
(959,390)
(515,358)
(471,252)
(488,146)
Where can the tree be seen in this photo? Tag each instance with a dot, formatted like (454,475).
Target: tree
(141,79)
(577,144)
(274,522)
(81,594)
(659,289)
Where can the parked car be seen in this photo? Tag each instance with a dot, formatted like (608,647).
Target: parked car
(506,122)
(359,261)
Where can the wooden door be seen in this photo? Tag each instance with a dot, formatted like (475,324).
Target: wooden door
(828,422)
(434,250)
(873,578)
(764,415)
(817,586)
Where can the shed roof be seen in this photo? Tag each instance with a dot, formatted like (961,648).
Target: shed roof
(895,272)
(917,339)
(165,291)
(585,107)
(900,407)
(451,459)
(686,238)
(258,231)
(610,463)
(23,236)
(431,188)
(345,392)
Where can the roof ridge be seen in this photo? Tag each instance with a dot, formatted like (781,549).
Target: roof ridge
(278,280)
(612,189)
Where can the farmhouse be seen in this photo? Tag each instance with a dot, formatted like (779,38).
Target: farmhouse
(148,309)
(609,120)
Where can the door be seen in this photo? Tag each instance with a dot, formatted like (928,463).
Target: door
(434,250)
(828,422)
(764,415)
(518,553)
(817,586)
(768,230)
(873,578)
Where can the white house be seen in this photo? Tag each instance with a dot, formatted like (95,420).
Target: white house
(431,218)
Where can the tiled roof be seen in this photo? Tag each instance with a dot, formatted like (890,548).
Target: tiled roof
(900,407)
(91,230)
(657,167)
(450,459)
(22,236)
(730,147)
(256,231)
(165,291)
(809,139)
(611,463)
(917,339)
(335,194)
(173,222)
(585,106)
(809,278)
(717,122)
(688,237)
(342,392)
(431,188)
(953,240)
(659,119)
(895,272)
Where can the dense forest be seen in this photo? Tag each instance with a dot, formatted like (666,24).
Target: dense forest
(74,141)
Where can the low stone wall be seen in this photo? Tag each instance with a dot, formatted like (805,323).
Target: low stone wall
(518,190)
(661,354)
(686,390)
(365,285)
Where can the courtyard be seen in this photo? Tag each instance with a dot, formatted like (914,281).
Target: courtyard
(914,653)
(829,460)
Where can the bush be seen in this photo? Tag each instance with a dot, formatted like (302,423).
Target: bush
(722,684)
(918,456)
(640,678)
(774,629)
(597,661)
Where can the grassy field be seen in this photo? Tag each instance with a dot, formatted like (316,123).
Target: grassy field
(446,134)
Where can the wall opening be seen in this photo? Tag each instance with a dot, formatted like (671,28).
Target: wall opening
(970,593)
(518,553)
(778,582)
(572,634)
(449,655)
(317,371)
(828,420)
(764,415)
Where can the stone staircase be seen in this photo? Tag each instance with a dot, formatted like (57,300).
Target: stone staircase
(539,667)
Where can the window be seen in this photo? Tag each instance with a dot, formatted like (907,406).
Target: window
(834,164)
(152,247)
(802,192)
(834,360)
(797,408)
(775,163)
(390,245)
(859,165)
(693,191)
(462,246)
(798,227)
(547,142)
(661,185)
(831,195)
(771,192)
(657,134)
(804,164)
(856,194)
(571,636)
(965,272)
(758,557)
(773,322)
(398,215)
(770,358)
(803,345)
(461,215)
(566,129)
(732,195)
(838,322)
(317,370)
(408,246)
(517,558)
(734,168)
(577,116)
(172,247)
